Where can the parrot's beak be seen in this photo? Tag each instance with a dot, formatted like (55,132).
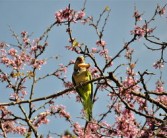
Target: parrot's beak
(84,65)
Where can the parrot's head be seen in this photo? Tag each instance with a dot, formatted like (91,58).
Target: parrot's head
(80,60)
(80,64)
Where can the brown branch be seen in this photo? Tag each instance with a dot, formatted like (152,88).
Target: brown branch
(150,100)
(157,93)
(53,95)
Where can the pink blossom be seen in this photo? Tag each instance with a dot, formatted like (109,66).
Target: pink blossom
(108,131)
(64,114)
(6,61)
(161,10)
(78,98)
(2,45)
(137,15)
(109,59)
(3,53)
(148,30)
(159,64)
(94,50)
(95,72)
(159,86)
(68,84)
(138,31)
(72,48)
(3,77)
(69,15)
(129,52)
(130,72)
(24,34)
(25,57)
(12,52)
(20,130)
(130,83)
(4,112)
(79,15)
(8,126)
(34,48)
(87,20)
(141,102)
(101,43)
(160,89)
(41,119)
(23,92)
(62,68)
(63,15)
(14,96)
(60,109)
(78,130)
(58,16)
(35,42)
(26,41)
(142,31)
(17,63)
(103,52)
(163,99)
(126,125)
(38,63)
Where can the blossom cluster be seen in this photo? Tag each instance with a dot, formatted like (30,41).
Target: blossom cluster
(93,130)
(142,31)
(126,125)
(18,59)
(158,64)
(41,119)
(161,10)
(137,16)
(61,110)
(101,43)
(130,83)
(69,15)
(129,52)
(10,126)
(160,89)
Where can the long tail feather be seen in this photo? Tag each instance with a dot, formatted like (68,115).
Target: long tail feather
(88,104)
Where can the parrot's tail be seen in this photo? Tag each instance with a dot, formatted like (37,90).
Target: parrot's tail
(88,105)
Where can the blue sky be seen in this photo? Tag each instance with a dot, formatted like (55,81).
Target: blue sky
(34,16)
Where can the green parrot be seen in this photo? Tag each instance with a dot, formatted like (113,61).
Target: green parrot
(81,75)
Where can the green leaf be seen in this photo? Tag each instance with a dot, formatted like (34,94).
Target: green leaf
(75,43)
(107,8)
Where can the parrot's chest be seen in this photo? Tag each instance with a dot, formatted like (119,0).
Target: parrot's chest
(81,77)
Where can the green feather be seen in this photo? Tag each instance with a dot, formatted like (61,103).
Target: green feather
(85,92)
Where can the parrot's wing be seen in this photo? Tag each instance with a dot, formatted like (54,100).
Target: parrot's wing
(73,80)
(90,78)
